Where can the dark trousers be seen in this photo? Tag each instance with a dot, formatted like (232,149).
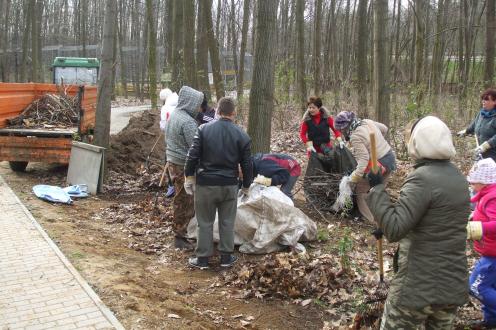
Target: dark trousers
(287,188)
(210,200)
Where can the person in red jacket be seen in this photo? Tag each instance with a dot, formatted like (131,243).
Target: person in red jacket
(314,129)
(482,229)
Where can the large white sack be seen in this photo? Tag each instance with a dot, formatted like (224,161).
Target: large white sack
(266,221)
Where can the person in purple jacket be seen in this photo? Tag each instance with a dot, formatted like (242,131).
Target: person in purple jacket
(276,170)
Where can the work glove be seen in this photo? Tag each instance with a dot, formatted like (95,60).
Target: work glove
(482,148)
(341,143)
(263,180)
(378,233)
(189,185)
(354,178)
(375,178)
(474,230)
(461,133)
(243,192)
(310,147)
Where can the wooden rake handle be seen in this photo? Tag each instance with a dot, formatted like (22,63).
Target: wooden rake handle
(375,169)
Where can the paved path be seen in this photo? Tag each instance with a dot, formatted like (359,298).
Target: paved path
(119,116)
(39,288)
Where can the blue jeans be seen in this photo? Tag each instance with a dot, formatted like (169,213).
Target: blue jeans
(483,287)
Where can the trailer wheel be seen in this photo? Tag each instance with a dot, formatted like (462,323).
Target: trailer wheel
(18,166)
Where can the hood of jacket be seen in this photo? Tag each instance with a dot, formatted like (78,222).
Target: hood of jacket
(189,100)
(323,111)
(431,139)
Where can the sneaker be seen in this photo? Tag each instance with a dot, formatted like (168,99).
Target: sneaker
(170,192)
(183,244)
(227,260)
(198,262)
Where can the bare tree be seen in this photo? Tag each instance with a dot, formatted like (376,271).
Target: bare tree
(490,32)
(381,67)
(213,49)
(300,49)
(189,43)
(177,45)
(316,47)
(202,49)
(262,91)
(244,36)
(361,56)
(102,126)
(152,53)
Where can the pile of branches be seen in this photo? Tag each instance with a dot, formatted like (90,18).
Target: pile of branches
(49,111)
(322,190)
(290,276)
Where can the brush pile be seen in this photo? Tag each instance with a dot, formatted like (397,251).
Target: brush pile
(322,190)
(49,111)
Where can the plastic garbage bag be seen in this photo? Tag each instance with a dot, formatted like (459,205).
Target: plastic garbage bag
(266,221)
(52,194)
(78,190)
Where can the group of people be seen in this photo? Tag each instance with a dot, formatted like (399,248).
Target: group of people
(211,164)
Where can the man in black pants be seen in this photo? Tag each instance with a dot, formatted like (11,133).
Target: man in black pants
(211,171)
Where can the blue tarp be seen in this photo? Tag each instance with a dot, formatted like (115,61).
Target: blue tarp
(58,195)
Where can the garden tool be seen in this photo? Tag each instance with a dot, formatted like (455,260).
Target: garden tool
(147,161)
(370,310)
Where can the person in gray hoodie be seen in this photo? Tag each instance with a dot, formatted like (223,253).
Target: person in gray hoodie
(180,130)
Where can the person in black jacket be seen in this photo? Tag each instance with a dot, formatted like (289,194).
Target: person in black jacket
(211,171)
(276,170)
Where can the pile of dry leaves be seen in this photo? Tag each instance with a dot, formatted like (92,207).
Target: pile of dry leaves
(49,111)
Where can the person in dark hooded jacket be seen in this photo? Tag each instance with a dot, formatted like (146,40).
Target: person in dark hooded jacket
(180,130)
(484,126)
(276,170)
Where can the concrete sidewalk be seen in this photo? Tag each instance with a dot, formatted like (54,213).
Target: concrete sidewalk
(39,288)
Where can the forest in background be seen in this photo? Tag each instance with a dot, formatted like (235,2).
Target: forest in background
(371,56)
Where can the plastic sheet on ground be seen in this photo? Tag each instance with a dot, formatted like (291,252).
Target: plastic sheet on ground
(60,195)
(266,221)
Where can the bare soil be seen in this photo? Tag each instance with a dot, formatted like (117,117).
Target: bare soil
(143,290)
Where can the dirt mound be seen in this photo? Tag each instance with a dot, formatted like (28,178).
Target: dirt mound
(131,146)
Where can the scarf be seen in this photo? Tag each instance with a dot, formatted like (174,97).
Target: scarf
(487,113)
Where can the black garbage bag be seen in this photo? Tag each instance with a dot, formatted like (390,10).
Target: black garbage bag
(323,175)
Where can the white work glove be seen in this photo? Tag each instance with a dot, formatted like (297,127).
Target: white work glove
(354,178)
(341,143)
(243,192)
(260,179)
(310,147)
(482,148)
(461,133)
(474,230)
(189,185)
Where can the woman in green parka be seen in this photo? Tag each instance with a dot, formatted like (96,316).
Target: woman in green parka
(429,221)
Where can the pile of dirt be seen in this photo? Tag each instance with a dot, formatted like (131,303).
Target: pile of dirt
(130,148)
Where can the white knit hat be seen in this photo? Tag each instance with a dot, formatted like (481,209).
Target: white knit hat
(165,93)
(484,171)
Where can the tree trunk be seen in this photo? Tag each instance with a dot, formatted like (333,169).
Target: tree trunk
(419,40)
(234,38)
(361,55)
(189,43)
(4,39)
(490,32)
(202,51)
(123,67)
(25,41)
(316,47)
(381,67)
(300,66)
(34,42)
(262,92)
(213,48)
(177,46)
(102,126)
(437,55)
(346,43)
(244,36)
(152,53)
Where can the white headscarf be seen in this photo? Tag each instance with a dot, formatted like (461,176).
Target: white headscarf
(431,139)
